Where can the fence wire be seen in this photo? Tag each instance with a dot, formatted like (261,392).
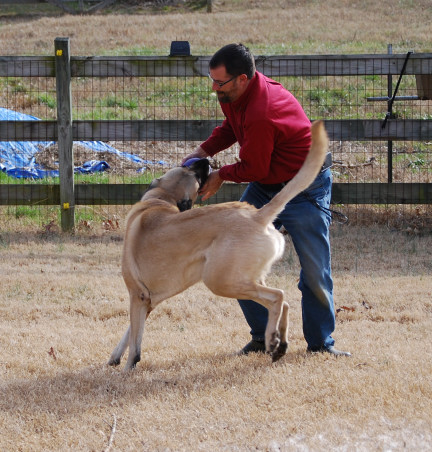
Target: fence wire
(180,97)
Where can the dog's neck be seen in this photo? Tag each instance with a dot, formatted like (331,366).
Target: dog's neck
(158,193)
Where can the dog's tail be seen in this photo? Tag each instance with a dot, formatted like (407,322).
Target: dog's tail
(306,175)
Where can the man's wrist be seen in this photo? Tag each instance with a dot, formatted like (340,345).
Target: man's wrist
(217,175)
(202,153)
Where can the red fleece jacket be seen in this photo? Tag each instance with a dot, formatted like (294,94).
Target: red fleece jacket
(272,130)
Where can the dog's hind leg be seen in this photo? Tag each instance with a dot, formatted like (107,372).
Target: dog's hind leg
(139,309)
(283,331)
(276,334)
(118,352)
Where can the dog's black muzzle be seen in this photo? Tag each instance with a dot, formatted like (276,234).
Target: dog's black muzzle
(185,204)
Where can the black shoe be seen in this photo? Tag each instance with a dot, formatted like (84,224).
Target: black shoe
(330,349)
(253,347)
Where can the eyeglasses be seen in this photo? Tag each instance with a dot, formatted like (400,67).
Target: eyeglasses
(220,84)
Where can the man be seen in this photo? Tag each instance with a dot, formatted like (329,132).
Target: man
(273,132)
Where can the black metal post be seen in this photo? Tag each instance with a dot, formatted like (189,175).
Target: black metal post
(390,115)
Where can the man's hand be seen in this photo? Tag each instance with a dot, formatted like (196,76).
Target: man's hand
(212,185)
(198,153)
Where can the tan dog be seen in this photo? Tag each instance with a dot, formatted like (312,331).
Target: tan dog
(229,246)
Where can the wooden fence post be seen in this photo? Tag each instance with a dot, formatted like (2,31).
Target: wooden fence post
(65,139)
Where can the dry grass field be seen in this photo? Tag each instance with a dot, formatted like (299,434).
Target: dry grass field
(63,304)
(63,307)
(267,26)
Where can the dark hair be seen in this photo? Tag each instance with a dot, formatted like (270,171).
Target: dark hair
(236,58)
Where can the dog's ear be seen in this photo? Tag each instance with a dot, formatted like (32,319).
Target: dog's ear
(153,184)
(201,168)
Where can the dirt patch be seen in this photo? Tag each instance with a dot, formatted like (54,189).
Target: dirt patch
(155,156)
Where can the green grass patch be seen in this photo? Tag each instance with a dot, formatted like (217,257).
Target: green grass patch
(113,101)
(48,100)
(95,178)
(32,213)
(9,180)
(109,178)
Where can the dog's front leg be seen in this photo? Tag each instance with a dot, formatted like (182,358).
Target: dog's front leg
(119,350)
(139,307)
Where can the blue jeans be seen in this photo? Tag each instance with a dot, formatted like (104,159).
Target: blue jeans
(308,227)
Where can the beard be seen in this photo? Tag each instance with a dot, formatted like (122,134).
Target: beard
(223,98)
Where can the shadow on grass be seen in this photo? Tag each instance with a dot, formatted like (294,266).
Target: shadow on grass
(70,392)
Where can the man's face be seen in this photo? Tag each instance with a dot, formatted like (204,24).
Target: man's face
(233,87)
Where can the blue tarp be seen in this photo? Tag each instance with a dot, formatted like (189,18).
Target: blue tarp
(17,158)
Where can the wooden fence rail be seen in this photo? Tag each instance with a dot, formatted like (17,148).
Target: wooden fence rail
(63,67)
(199,130)
(126,194)
(189,66)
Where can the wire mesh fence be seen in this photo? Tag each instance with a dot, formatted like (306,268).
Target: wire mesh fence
(134,94)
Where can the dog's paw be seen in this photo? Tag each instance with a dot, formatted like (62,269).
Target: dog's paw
(114,362)
(279,352)
(274,342)
(132,362)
